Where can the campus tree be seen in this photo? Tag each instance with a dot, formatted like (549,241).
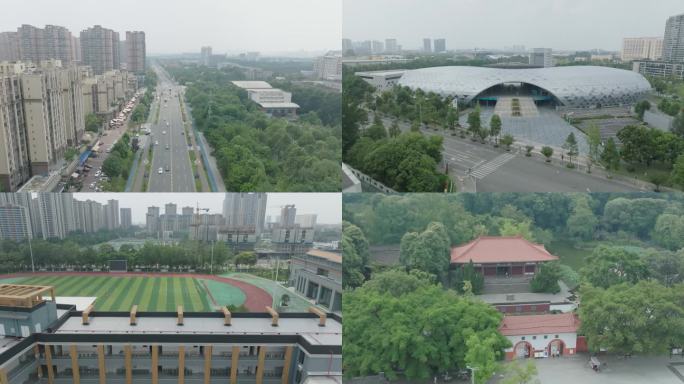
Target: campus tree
(547,152)
(582,222)
(610,157)
(354,255)
(546,280)
(594,142)
(677,175)
(507,140)
(642,318)
(474,123)
(245,258)
(641,107)
(669,231)
(427,251)
(518,372)
(468,274)
(417,332)
(483,356)
(495,127)
(570,147)
(607,266)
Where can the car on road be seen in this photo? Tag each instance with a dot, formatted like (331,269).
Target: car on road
(92,185)
(160,170)
(163,132)
(167,146)
(168,169)
(156,142)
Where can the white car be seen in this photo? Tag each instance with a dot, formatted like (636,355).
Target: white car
(156,142)
(160,170)
(92,185)
(163,132)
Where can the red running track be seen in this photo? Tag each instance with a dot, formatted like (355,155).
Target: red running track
(256,299)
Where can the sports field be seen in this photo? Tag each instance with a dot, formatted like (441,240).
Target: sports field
(152,293)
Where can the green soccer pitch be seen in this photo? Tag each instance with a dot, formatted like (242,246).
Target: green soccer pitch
(120,293)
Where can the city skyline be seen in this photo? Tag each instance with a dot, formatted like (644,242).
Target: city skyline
(557,24)
(327,206)
(180,27)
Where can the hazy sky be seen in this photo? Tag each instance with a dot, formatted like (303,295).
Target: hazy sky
(174,26)
(328,206)
(558,24)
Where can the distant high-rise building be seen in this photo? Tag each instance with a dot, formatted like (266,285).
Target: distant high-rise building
(9,46)
(100,49)
(126,219)
(245,210)
(288,214)
(306,220)
(135,52)
(640,48)
(111,213)
(187,211)
(51,215)
(377,47)
(206,56)
(346,45)
(15,223)
(541,57)
(673,44)
(440,45)
(427,45)
(51,43)
(152,220)
(76,46)
(391,46)
(170,209)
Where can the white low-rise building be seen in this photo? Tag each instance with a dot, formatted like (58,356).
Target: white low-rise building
(550,335)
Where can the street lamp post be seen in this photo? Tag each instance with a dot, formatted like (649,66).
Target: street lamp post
(211,266)
(472,373)
(33,266)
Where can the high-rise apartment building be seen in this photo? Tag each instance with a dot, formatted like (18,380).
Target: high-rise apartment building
(377,47)
(15,222)
(135,52)
(152,220)
(89,215)
(541,57)
(15,167)
(111,214)
(100,49)
(346,45)
(126,218)
(673,44)
(45,117)
(307,220)
(170,209)
(52,215)
(206,56)
(427,45)
(50,43)
(9,46)
(642,48)
(391,46)
(288,214)
(440,45)
(245,210)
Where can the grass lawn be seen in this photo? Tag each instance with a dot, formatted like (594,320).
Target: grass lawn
(644,173)
(569,254)
(149,293)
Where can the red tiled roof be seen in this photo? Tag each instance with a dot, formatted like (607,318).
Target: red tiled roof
(539,324)
(513,249)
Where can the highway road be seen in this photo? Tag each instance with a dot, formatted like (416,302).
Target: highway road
(170,147)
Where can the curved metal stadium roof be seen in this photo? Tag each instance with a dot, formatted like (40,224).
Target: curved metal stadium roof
(573,86)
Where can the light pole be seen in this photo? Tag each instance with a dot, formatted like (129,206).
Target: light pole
(472,373)
(33,266)
(211,266)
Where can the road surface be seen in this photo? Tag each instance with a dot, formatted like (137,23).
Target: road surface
(170,148)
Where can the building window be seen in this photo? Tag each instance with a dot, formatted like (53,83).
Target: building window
(522,338)
(546,337)
(556,336)
(534,337)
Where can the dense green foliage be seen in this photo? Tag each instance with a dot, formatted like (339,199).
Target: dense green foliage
(670,106)
(59,254)
(254,152)
(642,318)
(405,324)
(323,102)
(546,279)
(118,164)
(428,251)
(355,256)
(405,162)
(93,123)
